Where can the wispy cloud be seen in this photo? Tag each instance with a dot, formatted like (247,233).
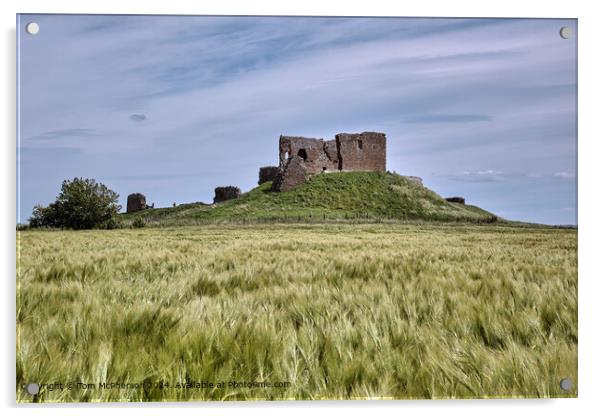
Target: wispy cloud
(480,176)
(565,175)
(58,134)
(152,177)
(498,176)
(46,154)
(448,118)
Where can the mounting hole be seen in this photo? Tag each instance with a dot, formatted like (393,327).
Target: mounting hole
(566,32)
(566,384)
(32,388)
(32,28)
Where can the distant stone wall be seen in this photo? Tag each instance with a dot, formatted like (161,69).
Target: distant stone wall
(225,193)
(365,151)
(456,199)
(136,202)
(267,174)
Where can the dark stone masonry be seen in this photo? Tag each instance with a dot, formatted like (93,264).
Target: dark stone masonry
(294,174)
(456,199)
(267,174)
(302,156)
(225,193)
(136,202)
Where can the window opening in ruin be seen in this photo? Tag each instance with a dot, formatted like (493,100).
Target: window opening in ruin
(360,144)
(285,155)
(323,168)
(302,154)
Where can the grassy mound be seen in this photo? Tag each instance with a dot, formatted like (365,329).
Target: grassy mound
(360,196)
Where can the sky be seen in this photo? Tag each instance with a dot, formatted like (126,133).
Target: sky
(173,106)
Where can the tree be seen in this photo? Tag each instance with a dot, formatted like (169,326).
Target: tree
(43,216)
(82,204)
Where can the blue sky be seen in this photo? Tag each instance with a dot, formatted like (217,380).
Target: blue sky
(174,106)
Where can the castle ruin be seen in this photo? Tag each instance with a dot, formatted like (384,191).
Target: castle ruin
(225,193)
(301,157)
(136,202)
(267,174)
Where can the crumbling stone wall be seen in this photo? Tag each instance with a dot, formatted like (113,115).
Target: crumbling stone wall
(225,193)
(317,155)
(267,174)
(456,199)
(294,173)
(363,151)
(347,152)
(136,202)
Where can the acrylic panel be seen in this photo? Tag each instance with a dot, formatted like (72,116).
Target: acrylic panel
(295,208)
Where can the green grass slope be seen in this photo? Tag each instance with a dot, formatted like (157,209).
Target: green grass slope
(355,196)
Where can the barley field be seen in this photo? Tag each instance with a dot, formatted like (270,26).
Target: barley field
(277,312)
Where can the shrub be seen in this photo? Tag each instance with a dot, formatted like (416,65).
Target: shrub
(43,216)
(81,204)
(138,223)
(114,224)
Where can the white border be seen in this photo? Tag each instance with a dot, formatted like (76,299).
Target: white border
(590,70)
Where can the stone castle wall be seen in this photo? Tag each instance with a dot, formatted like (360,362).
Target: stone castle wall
(136,202)
(225,193)
(267,173)
(293,174)
(303,156)
(317,155)
(365,151)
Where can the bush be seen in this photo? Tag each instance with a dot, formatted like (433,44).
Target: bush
(82,204)
(138,223)
(42,216)
(115,224)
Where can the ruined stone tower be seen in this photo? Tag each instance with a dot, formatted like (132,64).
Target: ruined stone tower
(225,193)
(267,173)
(136,202)
(302,156)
